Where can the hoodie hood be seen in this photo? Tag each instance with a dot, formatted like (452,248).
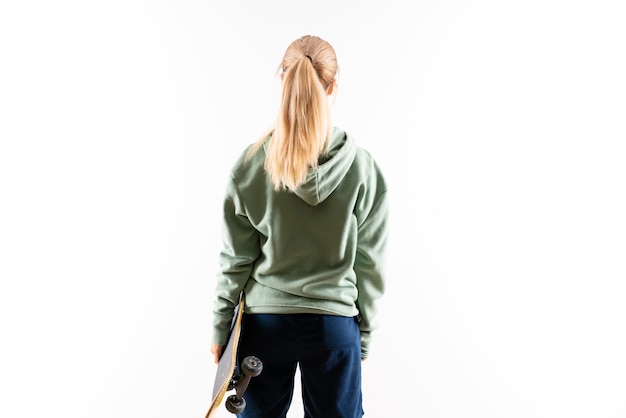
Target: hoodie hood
(323,180)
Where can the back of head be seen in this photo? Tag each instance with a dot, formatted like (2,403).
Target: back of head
(303,126)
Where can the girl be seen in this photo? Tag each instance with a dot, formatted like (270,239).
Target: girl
(305,228)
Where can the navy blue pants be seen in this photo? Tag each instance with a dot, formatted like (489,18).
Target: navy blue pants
(326,347)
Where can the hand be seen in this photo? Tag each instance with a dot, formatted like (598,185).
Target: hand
(217,351)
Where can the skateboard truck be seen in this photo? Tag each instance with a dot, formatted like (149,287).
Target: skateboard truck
(251,367)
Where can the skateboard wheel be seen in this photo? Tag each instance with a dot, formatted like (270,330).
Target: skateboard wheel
(234,405)
(251,366)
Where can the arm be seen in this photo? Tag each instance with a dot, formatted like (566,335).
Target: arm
(240,251)
(369,268)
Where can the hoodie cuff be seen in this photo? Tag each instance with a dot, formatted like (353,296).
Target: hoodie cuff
(221,328)
(220,337)
(365,343)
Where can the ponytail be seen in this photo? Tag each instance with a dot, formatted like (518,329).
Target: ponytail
(303,127)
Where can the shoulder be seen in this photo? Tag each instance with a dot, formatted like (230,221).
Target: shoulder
(363,157)
(369,170)
(248,163)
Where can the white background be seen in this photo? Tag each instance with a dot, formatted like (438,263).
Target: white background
(500,126)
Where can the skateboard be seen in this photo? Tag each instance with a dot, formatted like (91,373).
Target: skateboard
(230,373)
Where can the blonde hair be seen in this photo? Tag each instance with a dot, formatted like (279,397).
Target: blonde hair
(303,127)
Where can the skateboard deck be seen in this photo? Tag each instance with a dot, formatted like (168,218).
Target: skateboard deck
(230,374)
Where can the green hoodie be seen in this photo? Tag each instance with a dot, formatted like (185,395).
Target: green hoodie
(318,249)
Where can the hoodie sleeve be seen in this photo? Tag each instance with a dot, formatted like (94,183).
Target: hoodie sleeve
(369,267)
(240,250)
